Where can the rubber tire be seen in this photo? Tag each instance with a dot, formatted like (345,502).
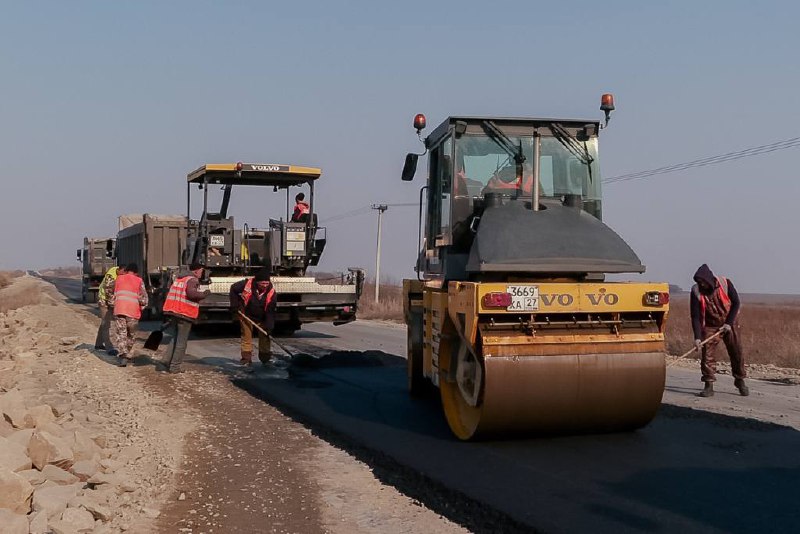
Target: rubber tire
(91,297)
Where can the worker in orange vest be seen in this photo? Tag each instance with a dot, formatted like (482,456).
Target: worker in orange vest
(301,208)
(183,306)
(714,306)
(128,297)
(255,297)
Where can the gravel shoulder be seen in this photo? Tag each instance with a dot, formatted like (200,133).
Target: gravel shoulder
(185,453)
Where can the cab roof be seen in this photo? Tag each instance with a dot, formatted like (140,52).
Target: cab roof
(511,124)
(269,174)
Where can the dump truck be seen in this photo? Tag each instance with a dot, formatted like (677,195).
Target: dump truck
(510,318)
(155,243)
(96,257)
(286,248)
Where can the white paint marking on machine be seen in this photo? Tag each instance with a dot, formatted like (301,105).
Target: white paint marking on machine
(523,298)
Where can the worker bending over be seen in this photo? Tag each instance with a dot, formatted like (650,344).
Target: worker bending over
(183,306)
(128,298)
(714,305)
(255,298)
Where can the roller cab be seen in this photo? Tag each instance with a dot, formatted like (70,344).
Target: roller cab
(511,318)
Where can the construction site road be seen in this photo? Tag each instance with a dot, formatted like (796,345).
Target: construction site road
(724,464)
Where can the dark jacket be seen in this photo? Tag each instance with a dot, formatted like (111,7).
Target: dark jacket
(256,309)
(704,274)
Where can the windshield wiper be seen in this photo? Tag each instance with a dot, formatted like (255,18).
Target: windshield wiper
(580,151)
(502,140)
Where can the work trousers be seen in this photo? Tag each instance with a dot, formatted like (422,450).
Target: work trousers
(124,334)
(177,347)
(103,338)
(733,343)
(264,345)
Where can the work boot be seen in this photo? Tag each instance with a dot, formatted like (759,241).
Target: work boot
(112,352)
(708,390)
(247,359)
(744,391)
(266,359)
(122,360)
(174,369)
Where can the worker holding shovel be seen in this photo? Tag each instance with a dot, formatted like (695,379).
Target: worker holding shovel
(254,304)
(183,305)
(714,305)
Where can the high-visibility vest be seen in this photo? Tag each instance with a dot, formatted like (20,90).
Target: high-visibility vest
(247,293)
(722,292)
(300,208)
(111,274)
(178,303)
(126,296)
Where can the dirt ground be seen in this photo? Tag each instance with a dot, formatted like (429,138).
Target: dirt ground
(204,455)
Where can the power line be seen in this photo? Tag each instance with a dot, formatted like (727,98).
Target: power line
(712,160)
(365,209)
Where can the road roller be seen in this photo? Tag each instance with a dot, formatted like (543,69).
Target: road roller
(511,317)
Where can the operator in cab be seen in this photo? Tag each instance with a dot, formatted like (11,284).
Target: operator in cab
(254,304)
(301,208)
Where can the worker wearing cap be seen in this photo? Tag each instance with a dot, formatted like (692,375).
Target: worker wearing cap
(714,305)
(128,297)
(301,208)
(255,298)
(103,339)
(182,305)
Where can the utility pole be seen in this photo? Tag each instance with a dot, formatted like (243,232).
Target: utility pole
(381,208)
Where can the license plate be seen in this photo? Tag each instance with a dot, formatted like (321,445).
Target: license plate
(216,240)
(523,298)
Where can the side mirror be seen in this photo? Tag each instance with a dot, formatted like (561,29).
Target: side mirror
(79,254)
(110,248)
(410,167)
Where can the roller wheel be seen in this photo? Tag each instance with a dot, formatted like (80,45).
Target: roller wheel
(461,398)
(418,386)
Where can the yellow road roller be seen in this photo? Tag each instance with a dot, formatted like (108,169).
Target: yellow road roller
(511,317)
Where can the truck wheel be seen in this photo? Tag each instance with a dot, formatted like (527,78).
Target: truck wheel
(91,297)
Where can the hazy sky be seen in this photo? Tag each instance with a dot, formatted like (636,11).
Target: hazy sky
(106,106)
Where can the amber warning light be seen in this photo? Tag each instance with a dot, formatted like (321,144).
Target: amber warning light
(419,122)
(239,166)
(607,102)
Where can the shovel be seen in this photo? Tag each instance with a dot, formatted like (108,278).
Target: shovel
(154,339)
(249,320)
(688,352)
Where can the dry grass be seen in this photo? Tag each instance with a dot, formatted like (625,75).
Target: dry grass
(6,277)
(770,332)
(390,307)
(19,295)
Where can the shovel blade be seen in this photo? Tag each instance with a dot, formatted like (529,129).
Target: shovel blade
(154,340)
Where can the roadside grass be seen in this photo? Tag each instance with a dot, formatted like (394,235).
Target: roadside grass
(17,296)
(6,277)
(389,307)
(770,332)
